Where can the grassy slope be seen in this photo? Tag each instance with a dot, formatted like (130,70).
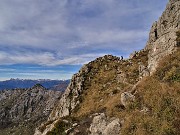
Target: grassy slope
(159,92)
(102,92)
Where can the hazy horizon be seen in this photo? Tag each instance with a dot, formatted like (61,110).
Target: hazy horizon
(34,79)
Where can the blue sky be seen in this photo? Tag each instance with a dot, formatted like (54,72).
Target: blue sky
(53,38)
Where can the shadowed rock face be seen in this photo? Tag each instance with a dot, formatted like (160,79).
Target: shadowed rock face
(162,38)
(26,106)
(70,97)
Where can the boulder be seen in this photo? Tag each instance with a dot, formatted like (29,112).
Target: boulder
(102,125)
(126,98)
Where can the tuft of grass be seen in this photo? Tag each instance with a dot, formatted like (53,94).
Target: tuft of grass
(169,68)
(43,127)
(59,128)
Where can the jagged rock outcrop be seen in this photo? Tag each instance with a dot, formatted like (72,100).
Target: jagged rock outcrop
(70,98)
(162,38)
(22,107)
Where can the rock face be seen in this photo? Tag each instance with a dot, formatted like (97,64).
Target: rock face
(162,38)
(70,98)
(26,106)
(101,125)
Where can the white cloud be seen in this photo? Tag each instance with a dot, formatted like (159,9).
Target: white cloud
(7,70)
(69,31)
(110,36)
(44,58)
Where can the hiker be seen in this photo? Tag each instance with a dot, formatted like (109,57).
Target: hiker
(121,57)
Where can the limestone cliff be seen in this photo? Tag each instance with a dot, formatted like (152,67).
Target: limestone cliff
(162,38)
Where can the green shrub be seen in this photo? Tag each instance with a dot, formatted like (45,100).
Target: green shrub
(59,128)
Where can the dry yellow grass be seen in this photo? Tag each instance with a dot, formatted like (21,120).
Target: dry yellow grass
(160,93)
(161,96)
(163,102)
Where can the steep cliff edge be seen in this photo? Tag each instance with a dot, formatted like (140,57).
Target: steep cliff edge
(139,95)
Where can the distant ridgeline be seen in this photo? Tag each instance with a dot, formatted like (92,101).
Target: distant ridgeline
(60,85)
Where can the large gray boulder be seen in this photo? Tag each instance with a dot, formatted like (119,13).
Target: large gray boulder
(102,125)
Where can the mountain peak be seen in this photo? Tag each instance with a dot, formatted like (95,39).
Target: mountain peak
(38,86)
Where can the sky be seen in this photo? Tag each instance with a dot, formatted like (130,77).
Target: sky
(52,39)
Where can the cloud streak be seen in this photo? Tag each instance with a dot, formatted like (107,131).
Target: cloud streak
(44,58)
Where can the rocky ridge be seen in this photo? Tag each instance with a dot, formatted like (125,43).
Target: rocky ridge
(106,93)
(72,98)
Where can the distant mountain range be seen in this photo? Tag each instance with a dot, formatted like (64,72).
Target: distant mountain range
(59,85)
